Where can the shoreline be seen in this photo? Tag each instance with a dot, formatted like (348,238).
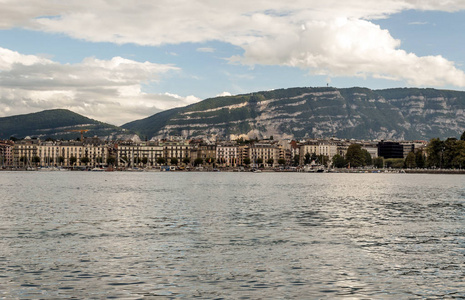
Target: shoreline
(250,170)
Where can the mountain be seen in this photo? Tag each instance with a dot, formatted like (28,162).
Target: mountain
(57,124)
(360,113)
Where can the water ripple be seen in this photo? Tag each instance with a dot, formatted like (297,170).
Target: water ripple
(216,236)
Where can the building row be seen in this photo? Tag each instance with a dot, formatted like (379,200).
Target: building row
(92,152)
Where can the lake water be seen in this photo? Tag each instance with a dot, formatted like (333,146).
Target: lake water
(231,235)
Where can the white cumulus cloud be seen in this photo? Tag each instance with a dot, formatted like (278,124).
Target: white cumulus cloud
(326,37)
(224,94)
(107,90)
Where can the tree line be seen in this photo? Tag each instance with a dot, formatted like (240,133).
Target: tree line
(447,154)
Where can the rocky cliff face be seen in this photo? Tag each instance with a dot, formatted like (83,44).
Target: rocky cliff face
(317,112)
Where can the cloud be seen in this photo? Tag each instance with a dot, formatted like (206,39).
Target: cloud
(418,23)
(347,47)
(333,37)
(107,90)
(224,94)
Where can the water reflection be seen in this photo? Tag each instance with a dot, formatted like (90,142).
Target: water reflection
(185,235)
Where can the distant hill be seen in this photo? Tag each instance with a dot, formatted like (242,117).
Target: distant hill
(57,124)
(361,113)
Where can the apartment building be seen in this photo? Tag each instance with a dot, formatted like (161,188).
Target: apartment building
(179,149)
(25,153)
(139,154)
(319,147)
(227,154)
(266,153)
(33,152)
(203,150)
(6,153)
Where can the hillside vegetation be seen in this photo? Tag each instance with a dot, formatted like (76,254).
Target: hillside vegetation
(359,113)
(56,123)
(404,113)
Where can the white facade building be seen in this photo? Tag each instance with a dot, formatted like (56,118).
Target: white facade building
(227,155)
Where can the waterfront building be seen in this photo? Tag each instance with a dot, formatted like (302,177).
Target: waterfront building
(295,150)
(318,147)
(49,153)
(287,150)
(408,147)
(139,154)
(342,147)
(25,152)
(175,148)
(73,153)
(371,147)
(203,150)
(6,153)
(242,154)
(395,149)
(93,152)
(70,153)
(35,153)
(227,154)
(268,152)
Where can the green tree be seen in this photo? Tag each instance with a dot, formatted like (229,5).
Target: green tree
(72,160)
(246,161)
(145,160)
(281,161)
(314,157)
(270,161)
(409,161)
(307,158)
(458,159)
(36,160)
(85,160)
(174,161)
(339,161)
(259,160)
(161,161)
(61,160)
(186,160)
(198,161)
(435,150)
(462,137)
(322,159)
(420,159)
(378,162)
(355,157)
(396,163)
(368,159)
(453,153)
(296,160)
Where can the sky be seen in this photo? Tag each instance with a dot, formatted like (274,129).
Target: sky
(118,60)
